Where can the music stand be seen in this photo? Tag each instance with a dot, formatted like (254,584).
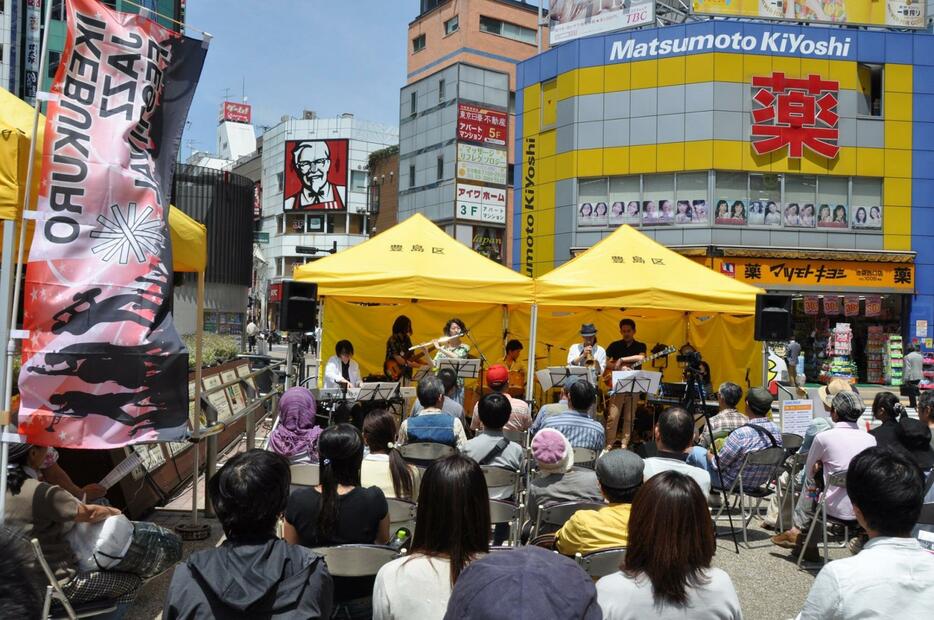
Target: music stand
(635,382)
(380,390)
(468,368)
(421,372)
(559,376)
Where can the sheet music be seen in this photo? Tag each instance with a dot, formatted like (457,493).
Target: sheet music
(120,471)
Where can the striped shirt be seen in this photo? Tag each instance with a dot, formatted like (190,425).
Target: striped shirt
(581,430)
(741,442)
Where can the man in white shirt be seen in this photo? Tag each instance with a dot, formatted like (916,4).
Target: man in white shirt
(342,370)
(914,372)
(251,330)
(891,577)
(673,434)
(587,351)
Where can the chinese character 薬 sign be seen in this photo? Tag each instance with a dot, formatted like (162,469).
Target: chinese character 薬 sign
(480,204)
(797,113)
(476,124)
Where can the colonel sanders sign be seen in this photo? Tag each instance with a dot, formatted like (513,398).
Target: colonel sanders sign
(315,175)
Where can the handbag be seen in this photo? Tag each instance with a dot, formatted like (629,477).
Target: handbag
(101,545)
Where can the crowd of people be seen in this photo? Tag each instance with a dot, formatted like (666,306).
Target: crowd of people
(654,504)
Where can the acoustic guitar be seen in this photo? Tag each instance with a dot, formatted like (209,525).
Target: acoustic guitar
(394,370)
(608,372)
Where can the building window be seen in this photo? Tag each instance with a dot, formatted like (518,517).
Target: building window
(413,103)
(295,223)
(508,30)
(451,25)
(58,10)
(869,88)
(440,91)
(280,221)
(411,175)
(337,223)
(511,107)
(315,224)
(357,181)
(510,175)
(440,167)
(418,43)
(549,103)
(357,224)
(279,180)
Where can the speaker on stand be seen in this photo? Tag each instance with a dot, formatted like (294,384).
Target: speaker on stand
(773,324)
(298,312)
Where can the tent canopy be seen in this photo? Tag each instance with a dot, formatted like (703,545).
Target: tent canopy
(416,260)
(628,269)
(189,237)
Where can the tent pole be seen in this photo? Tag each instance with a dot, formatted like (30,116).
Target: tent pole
(533,334)
(6,274)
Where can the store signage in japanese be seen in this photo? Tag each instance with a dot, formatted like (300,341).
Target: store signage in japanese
(480,204)
(831,305)
(873,306)
(812,305)
(898,13)
(476,124)
(795,113)
(236,112)
(851,305)
(275,293)
(793,274)
(480,163)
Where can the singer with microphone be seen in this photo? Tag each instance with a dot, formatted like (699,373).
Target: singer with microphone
(587,352)
(450,346)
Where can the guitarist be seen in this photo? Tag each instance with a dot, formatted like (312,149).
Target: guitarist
(620,354)
(399,360)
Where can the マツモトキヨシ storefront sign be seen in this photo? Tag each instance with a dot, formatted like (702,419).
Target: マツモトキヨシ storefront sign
(818,274)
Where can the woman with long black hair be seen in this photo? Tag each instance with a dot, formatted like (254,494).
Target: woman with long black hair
(888,409)
(340,511)
(384,466)
(452,528)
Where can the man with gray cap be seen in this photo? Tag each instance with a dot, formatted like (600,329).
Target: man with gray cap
(620,474)
(830,453)
(757,434)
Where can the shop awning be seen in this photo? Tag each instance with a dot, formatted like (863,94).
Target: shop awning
(189,237)
(629,269)
(416,260)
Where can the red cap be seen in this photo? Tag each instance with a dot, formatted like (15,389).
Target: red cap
(497,373)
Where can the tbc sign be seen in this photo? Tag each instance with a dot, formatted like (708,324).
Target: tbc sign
(796,113)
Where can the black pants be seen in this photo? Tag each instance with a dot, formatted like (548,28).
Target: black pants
(912,388)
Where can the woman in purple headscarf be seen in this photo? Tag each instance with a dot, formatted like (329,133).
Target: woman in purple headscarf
(296,435)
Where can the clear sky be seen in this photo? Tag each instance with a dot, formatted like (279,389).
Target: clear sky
(330,56)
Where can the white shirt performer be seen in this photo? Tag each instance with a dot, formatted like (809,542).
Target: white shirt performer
(341,369)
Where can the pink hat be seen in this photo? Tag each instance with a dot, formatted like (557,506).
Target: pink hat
(552,451)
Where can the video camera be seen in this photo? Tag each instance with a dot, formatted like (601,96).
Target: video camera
(692,358)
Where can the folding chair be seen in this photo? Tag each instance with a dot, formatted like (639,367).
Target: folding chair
(557,515)
(601,563)
(306,474)
(585,457)
(54,592)
(833,480)
(502,477)
(401,514)
(520,437)
(768,457)
(425,451)
(506,512)
(791,442)
(357,560)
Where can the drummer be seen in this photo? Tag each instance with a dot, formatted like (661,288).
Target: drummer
(497,377)
(516,369)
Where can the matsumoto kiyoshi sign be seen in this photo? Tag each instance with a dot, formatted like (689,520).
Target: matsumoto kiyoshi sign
(767,42)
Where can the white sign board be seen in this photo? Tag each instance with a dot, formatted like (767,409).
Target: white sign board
(797,416)
(480,163)
(572,19)
(480,204)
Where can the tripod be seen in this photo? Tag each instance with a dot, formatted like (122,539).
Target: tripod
(694,402)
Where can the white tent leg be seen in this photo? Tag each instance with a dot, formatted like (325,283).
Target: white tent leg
(533,334)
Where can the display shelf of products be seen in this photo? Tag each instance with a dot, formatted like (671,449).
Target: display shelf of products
(927,383)
(894,364)
(840,363)
(875,354)
(815,348)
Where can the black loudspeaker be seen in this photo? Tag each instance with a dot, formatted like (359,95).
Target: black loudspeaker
(773,317)
(298,310)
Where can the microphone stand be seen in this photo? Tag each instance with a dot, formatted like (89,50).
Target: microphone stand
(483,360)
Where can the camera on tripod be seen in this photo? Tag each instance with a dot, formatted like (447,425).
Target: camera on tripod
(691,358)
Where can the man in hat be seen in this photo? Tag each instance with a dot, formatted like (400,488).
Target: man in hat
(757,434)
(520,418)
(621,353)
(620,474)
(587,352)
(830,453)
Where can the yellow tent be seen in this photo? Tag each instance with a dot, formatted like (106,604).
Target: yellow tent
(416,269)
(672,299)
(416,260)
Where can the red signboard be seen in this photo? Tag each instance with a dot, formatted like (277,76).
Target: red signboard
(476,124)
(796,113)
(237,112)
(851,305)
(275,293)
(831,305)
(812,305)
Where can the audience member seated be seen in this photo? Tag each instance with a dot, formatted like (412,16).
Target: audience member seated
(296,435)
(673,434)
(559,481)
(757,434)
(728,419)
(891,577)
(490,447)
(253,573)
(452,529)
(830,453)
(550,409)
(53,473)
(450,406)
(666,572)
(520,417)
(889,410)
(914,438)
(22,584)
(529,583)
(339,511)
(620,474)
(926,411)
(575,423)
(384,466)
(47,512)
(432,425)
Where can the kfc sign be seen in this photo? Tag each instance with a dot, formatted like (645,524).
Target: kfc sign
(476,124)
(315,175)
(236,112)
(796,113)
